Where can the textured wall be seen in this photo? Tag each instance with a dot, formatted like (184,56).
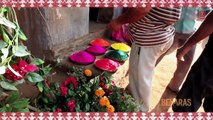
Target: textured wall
(50,27)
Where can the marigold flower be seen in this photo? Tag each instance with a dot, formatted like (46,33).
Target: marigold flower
(88,72)
(110,108)
(99,92)
(104,101)
(123,97)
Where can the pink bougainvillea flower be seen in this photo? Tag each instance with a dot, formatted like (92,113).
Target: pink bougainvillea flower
(109,92)
(71,80)
(26,67)
(63,90)
(71,105)
(113,83)
(22,68)
(103,85)
(58,110)
(101,78)
(11,76)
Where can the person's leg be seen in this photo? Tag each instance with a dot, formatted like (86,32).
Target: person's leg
(189,98)
(141,73)
(208,104)
(182,66)
(181,70)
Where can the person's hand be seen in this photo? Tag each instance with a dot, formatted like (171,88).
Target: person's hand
(181,52)
(114,25)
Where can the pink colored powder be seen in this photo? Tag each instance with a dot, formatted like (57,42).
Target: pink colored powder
(107,64)
(96,49)
(82,57)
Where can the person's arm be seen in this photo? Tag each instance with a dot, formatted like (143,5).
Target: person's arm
(205,29)
(130,16)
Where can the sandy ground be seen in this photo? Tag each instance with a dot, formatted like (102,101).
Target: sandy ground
(163,73)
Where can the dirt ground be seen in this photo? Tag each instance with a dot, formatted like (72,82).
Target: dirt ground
(163,73)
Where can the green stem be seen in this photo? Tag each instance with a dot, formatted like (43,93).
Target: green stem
(7,60)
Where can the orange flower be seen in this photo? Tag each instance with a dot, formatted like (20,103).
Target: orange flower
(123,97)
(104,101)
(99,92)
(110,108)
(88,72)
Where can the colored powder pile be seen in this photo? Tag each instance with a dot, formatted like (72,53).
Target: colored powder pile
(96,49)
(100,42)
(82,57)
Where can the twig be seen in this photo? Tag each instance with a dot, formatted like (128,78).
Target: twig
(33,108)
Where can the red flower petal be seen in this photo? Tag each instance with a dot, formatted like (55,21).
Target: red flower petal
(22,63)
(31,68)
(63,90)
(58,110)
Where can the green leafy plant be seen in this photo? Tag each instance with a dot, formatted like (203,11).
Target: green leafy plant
(17,65)
(13,103)
(79,93)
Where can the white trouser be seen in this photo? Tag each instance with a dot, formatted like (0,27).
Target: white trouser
(141,71)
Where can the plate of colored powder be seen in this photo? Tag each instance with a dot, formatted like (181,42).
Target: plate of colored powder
(96,50)
(121,46)
(107,65)
(117,55)
(82,57)
(100,42)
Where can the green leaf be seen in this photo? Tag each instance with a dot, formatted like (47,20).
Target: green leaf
(8,108)
(20,51)
(21,35)
(45,100)
(21,110)
(37,61)
(34,77)
(85,97)
(2,109)
(2,70)
(87,88)
(6,22)
(46,70)
(7,86)
(12,97)
(22,103)
(40,86)
(87,107)
(6,38)
(2,44)
(5,53)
